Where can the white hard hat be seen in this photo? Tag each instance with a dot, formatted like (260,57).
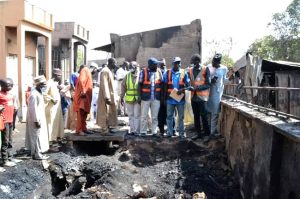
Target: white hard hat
(176,59)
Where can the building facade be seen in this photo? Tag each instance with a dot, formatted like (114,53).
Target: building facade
(21,26)
(69,47)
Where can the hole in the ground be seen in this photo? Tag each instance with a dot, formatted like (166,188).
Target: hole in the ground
(164,168)
(95,148)
(58,180)
(66,184)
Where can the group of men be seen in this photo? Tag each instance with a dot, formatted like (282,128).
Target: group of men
(153,95)
(157,94)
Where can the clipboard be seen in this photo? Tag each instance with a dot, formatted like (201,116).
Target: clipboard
(176,97)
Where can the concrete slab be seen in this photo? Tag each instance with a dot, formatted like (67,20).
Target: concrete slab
(97,136)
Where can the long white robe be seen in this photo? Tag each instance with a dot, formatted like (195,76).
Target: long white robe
(216,89)
(54,115)
(36,139)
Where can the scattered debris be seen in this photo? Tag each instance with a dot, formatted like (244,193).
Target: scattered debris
(198,195)
(138,168)
(45,164)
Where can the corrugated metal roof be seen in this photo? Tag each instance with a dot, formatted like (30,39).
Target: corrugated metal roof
(292,64)
(272,66)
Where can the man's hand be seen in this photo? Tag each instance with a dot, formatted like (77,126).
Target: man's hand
(83,95)
(108,101)
(2,108)
(38,125)
(122,101)
(180,91)
(191,88)
(53,101)
(214,80)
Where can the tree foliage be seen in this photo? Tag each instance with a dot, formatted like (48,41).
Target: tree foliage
(226,60)
(284,43)
(224,47)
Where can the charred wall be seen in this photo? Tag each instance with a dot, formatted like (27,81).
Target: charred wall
(263,151)
(182,41)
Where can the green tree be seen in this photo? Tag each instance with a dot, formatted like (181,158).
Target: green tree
(284,43)
(224,47)
(226,60)
(80,57)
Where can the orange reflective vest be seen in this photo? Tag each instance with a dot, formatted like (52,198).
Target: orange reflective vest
(170,85)
(198,81)
(146,86)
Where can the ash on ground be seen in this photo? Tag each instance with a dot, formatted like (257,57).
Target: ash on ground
(138,168)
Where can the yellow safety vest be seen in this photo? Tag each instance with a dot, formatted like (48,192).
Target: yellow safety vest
(132,89)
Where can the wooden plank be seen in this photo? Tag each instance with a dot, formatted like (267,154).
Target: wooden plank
(281,80)
(294,96)
(116,136)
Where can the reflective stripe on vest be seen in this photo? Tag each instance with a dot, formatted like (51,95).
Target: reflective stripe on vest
(131,92)
(147,84)
(200,80)
(170,85)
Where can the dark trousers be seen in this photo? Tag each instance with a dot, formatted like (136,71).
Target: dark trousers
(6,139)
(14,119)
(162,116)
(200,109)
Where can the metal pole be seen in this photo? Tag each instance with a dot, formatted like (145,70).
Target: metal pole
(272,88)
(263,108)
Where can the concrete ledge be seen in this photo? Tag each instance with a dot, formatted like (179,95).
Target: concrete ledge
(289,128)
(263,151)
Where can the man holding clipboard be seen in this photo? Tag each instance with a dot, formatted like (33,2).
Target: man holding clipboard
(176,80)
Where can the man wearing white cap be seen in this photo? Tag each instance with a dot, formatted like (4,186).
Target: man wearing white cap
(176,79)
(53,110)
(218,75)
(36,127)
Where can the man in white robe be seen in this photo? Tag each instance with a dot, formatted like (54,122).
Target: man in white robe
(54,116)
(94,101)
(36,127)
(120,75)
(218,75)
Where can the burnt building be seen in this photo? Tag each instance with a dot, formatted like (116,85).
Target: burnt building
(256,74)
(182,41)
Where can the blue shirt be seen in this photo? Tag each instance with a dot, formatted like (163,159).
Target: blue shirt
(175,80)
(152,78)
(73,79)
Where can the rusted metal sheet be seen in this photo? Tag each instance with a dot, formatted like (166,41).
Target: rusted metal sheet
(288,101)
(295,96)
(282,97)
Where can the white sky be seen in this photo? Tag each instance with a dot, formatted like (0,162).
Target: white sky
(243,20)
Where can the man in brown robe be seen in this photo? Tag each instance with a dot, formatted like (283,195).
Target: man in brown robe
(82,98)
(107,111)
